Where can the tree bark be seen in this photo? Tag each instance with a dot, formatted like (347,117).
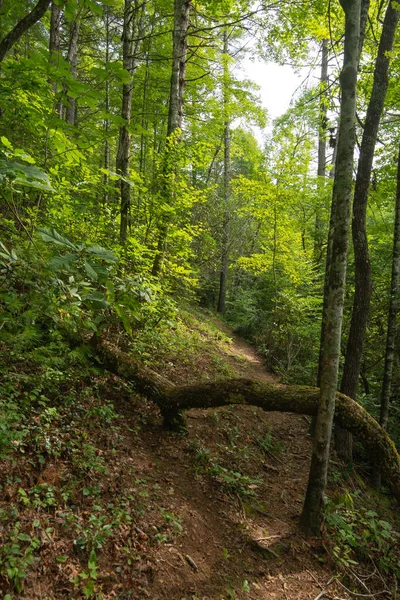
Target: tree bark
(268,396)
(363,283)
(321,170)
(72,59)
(363,22)
(129,50)
(312,515)
(54,41)
(107,106)
(175,114)
(22,26)
(226,185)
(393,310)
(55,47)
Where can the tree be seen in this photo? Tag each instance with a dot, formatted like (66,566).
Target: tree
(312,514)
(175,114)
(22,26)
(129,57)
(322,130)
(363,283)
(392,320)
(226,181)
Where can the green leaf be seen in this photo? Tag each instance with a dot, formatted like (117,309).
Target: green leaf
(90,271)
(62,558)
(101,271)
(102,253)
(92,560)
(27,175)
(62,262)
(123,315)
(97,300)
(6,142)
(51,235)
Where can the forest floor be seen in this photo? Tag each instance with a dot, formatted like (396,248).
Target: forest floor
(137,512)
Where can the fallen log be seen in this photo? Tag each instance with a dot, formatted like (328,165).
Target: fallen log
(173,400)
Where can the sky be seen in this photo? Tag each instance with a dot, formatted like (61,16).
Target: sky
(278,85)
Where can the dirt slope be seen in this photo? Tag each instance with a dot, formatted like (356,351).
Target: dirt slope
(229,545)
(102,504)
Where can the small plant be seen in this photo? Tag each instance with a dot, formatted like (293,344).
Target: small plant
(267,443)
(234,481)
(358,534)
(17,554)
(173,521)
(86,579)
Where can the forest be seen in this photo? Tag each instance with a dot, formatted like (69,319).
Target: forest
(193,295)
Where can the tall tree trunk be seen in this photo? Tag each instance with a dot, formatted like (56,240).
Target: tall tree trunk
(363,22)
(226,186)
(22,26)
(107,106)
(321,172)
(129,50)
(55,46)
(392,322)
(72,58)
(312,514)
(363,283)
(175,113)
(54,42)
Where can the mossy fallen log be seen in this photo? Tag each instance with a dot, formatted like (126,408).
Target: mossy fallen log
(173,400)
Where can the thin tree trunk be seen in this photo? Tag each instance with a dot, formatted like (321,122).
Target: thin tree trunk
(54,41)
(55,46)
(175,113)
(107,107)
(22,26)
(392,323)
(226,191)
(72,58)
(321,171)
(312,515)
(363,22)
(129,51)
(363,283)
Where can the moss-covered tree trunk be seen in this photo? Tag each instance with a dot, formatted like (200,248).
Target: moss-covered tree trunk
(312,515)
(172,401)
(227,182)
(362,267)
(392,319)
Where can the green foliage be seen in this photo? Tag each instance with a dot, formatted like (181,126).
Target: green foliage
(359,535)
(17,555)
(231,480)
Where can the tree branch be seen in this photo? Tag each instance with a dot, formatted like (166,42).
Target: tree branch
(23,25)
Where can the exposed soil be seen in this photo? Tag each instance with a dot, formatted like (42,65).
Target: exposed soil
(230,546)
(214,513)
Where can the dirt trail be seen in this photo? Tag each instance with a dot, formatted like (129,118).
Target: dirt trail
(246,360)
(240,542)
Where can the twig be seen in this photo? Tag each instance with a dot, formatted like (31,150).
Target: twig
(191,562)
(361,595)
(323,593)
(363,584)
